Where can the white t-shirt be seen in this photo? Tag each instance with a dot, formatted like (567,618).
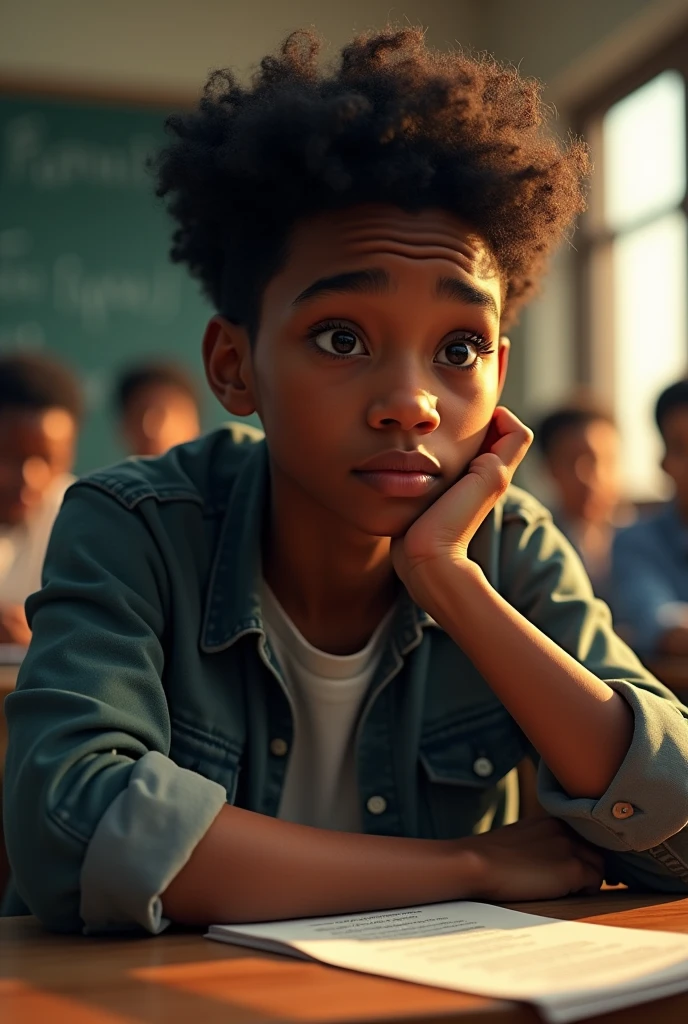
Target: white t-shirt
(22,547)
(327,693)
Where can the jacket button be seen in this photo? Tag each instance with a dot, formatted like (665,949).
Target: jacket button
(376,804)
(622,810)
(482,766)
(279,747)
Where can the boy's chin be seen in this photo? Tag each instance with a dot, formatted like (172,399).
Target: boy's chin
(393,522)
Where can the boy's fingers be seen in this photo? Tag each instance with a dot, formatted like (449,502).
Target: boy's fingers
(512,449)
(590,878)
(590,856)
(515,438)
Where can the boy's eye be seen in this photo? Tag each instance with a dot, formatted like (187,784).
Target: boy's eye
(458,353)
(339,342)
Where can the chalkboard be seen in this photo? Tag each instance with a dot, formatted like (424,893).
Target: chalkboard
(84,267)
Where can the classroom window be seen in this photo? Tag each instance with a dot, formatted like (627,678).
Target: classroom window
(634,260)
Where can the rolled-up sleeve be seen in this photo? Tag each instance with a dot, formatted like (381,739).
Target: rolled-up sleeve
(142,842)
(98,818)
(642,818)
(637,811)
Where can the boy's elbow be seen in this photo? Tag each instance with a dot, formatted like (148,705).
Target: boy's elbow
(57,913)
(47,882)
(47,838)
(45,860)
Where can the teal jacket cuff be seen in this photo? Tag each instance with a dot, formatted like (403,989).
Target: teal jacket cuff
(647,800)
(142,842)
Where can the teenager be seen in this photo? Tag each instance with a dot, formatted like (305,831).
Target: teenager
(157,406)
(579,444)
(650,574)
(40,413)
(293,676)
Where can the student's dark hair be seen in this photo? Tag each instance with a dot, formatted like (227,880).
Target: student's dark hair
(395,122)
(34,381)
(673,397)
(150,374)
(573,416)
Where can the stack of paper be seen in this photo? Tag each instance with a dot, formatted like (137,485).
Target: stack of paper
(567,969)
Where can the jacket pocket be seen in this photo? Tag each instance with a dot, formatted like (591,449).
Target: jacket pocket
(215,757)
(467,778)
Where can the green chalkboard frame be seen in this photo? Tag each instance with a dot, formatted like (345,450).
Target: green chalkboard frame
(104,291)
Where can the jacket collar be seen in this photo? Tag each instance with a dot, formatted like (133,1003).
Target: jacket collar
(233,606)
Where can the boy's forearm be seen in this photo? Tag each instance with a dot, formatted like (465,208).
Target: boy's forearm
(249,867)
(580,726)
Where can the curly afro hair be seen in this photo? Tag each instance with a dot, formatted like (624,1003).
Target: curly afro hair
(392,122)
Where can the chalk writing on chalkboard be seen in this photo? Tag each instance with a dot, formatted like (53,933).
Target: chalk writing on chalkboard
(84,249)
(31,156)
(93,298)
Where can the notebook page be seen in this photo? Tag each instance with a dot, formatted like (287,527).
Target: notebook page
(567,968)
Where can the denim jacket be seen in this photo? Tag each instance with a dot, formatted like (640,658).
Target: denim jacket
(149,697)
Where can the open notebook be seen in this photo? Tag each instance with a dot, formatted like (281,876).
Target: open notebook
(568,970)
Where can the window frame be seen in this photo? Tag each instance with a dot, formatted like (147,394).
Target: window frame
(594,354)
(594,318)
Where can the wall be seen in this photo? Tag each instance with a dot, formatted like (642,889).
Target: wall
(171,44)
(546,37)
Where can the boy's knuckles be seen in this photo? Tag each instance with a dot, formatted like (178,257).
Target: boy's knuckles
(525,433)
(493,472)
(503,477)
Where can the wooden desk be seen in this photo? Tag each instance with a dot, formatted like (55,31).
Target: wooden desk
(182,977)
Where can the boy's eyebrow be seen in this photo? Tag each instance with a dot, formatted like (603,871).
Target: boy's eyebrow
(372,281)
(461,291)
(376,281)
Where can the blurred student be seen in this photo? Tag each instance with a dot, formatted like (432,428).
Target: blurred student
(650,560)
(40,412)
(158,407)
(579,444)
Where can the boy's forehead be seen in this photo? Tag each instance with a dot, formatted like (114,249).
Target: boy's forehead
(335,240)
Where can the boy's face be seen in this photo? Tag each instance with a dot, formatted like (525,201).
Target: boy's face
(380,335)
(584,464)
(675,461)
(36,446)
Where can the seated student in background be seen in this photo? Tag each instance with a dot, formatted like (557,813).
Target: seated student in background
(40,412)
(650,558)
(293,676)
(579,444)
(157,405)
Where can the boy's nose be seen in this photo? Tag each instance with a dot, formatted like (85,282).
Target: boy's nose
(407,411)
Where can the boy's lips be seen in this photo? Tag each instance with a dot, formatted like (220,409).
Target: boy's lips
(399,474)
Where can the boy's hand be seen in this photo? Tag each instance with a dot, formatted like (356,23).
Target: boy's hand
(536,859)
(442,534)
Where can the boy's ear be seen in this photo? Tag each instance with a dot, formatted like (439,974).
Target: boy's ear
(228,365)
(503,363)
